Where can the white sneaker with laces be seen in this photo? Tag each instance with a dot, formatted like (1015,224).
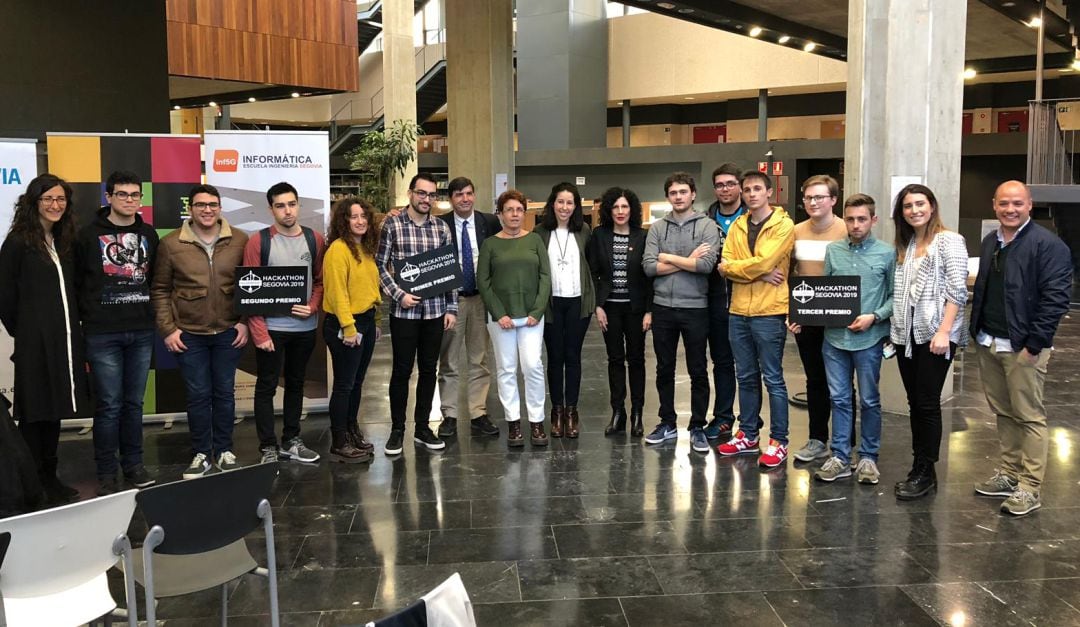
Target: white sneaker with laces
(199,466)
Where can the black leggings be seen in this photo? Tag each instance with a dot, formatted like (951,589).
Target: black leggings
(924,376)
(564,333)
(42,438)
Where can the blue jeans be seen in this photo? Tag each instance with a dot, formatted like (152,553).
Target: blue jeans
(119,364)
(758,345)
(866,366)
(209,369)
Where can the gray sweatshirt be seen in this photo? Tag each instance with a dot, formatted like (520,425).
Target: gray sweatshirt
(682,289)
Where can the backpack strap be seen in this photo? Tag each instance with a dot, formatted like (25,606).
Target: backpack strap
(313,246)
(264,247)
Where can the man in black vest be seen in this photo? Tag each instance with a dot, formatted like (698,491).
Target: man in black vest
(469,336)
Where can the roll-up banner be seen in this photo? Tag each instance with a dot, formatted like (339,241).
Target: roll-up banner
(169,166)
(243,165)
(18,166)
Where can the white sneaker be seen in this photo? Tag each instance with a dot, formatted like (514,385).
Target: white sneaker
(227,461)
(199,467)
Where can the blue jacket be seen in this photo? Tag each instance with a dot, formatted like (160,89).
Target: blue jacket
(1038,284)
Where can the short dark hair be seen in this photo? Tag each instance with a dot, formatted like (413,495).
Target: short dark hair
(121,177)
(459,184)
(728,168)
(422,176)
(507,196)
(861,200)
(679,177)
(278,189)
(577,219)
(204,189)
(752,174)
(607,203)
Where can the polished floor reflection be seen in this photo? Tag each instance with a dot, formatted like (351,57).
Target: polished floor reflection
(606,531)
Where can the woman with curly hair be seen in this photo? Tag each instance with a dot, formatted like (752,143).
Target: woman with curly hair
(623,302)
(38,307)
(351,301)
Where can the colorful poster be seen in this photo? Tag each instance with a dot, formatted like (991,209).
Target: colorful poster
(169,165)
(18,166)
(243,165)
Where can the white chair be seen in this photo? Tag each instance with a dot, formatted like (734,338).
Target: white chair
(54,570)
(448,605)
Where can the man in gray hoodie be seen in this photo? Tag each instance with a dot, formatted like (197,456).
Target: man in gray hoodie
(680,253)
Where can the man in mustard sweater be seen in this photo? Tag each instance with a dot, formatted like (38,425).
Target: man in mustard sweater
(757,248)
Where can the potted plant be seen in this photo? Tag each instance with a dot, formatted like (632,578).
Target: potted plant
(382,155)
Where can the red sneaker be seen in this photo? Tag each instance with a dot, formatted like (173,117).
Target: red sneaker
(739,445)
(773,456)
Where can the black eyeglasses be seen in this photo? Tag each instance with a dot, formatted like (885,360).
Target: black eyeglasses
(726,185)
(125,195)
(422,195)
(205,205)
(815,199)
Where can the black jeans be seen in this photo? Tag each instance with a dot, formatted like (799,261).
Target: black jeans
(668,325)
(625,341)
(42,438)
(924,376)
(723,361)
(419,342)
(350,364)
(564,333)
(810,341)
(291,353)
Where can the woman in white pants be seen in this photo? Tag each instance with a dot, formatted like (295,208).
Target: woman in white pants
(514,280)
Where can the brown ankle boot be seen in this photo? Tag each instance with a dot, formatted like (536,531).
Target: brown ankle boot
(558,413)
(572,418)
(513,434)
(538,436)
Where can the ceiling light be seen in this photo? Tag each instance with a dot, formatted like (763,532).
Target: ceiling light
(295,94)
(755,31)
(969,73)
(665,5)
(251,99)
(176,107)
(783,39)
(1035,22)
(809,47)
(688,98)
(212,104)
(1008,4)
(685,11)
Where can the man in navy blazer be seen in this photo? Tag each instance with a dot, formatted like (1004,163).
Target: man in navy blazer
(469,228)
(1021,294)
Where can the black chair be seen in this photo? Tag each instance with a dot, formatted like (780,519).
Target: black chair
(196,536)
(5,540)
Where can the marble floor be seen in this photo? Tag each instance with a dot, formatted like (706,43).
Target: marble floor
(607,531)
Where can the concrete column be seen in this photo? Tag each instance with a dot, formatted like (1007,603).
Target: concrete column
(626,123)
(763,115)
(399,77)
(905,96)
(562,74)
(480,94)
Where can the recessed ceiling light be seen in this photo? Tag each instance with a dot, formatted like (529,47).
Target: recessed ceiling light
(1035,22)
(251,99)
(665,5)
(688,98)
(755,31)
(969,73)
(809,47)
(686,10)
(1008,4)
(783,39)
(176,107)
(295,94)
(212,104)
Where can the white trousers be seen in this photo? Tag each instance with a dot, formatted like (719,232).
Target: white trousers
(522,345)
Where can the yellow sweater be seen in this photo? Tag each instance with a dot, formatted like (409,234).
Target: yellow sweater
(749,296)
(349,287)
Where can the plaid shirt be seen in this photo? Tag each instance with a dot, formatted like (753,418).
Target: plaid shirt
(401,238)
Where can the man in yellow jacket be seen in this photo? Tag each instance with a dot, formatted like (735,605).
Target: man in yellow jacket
(756,254)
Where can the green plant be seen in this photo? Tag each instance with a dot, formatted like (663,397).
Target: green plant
(382,155)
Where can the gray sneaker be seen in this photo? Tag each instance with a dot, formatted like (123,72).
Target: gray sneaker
(227,461)
(833,469)
(1021,502)
(813,449)
(867,472)
(199,467)
(269,454)
(295,450)
(1000,484)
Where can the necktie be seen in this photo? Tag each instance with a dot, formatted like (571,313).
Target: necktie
(468,270)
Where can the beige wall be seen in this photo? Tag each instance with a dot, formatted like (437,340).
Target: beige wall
(641,64)
(650,135)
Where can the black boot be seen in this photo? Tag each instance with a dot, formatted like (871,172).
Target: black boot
(636,428)
(57,492)
(617,423)
(921,481)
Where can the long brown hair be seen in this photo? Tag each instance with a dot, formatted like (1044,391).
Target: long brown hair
(904,231)
(339,227)
(26,223)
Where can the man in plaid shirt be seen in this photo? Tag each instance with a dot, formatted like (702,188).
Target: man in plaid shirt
(416,324)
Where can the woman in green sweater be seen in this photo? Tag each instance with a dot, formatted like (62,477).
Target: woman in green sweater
(514,280)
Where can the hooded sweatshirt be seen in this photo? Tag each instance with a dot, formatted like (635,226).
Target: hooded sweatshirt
(115,265)
(682,289)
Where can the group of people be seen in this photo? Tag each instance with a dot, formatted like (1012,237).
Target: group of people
(717,279)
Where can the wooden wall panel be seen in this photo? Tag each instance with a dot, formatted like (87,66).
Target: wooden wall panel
(305,43)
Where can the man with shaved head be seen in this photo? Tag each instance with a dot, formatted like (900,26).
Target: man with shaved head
(1021,293)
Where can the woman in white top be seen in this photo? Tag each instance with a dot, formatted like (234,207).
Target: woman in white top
(565,234)
(928,326)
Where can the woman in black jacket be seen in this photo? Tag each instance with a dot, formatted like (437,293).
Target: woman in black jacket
(623,302)
(38,308)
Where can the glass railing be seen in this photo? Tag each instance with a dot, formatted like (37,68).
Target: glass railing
(1053,126)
